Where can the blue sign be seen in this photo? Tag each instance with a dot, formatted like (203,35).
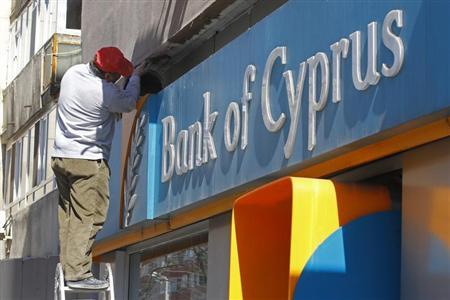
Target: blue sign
(312,77)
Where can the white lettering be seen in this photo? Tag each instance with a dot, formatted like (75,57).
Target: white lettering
(250,74)
(294,99)
(181,165)
(393,42)
(372,76)
(232,111)
(195,146)
(195,153)
(168,149)
(269,122)
(340,50)
(209,149)
(358,82)
(316,105)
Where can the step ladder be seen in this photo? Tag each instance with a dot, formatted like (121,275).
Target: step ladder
(61,289)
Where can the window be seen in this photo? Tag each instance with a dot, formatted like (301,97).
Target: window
(17,168)
(8,176)
(42,151)
(27,159)
(24,165)
(171,266)
(50,140)
(35,154)
(180,274)
(73,14)
(27,162)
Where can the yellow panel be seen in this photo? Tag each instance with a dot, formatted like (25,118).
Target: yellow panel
(314,217)
(235,290)
(276,229)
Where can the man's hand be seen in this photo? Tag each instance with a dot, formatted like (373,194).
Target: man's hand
(140,69)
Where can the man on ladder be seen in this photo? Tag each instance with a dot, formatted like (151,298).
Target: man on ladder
(88,103)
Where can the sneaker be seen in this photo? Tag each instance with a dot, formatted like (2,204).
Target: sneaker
(90,283)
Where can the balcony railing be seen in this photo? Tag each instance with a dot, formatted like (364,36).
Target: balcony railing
(37,85)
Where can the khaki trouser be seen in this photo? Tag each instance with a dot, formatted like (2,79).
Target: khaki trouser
(83,204)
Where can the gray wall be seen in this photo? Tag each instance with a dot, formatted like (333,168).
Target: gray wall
(136,27)
(27,279)
(425,225)
(35,229)
(219,238)
(32,279)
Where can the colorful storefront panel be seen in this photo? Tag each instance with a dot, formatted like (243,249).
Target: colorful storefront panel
(281,230)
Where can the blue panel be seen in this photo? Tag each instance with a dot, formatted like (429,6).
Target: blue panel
(154,159)
(372,262)
(111,225)
(304,27)
(334,260)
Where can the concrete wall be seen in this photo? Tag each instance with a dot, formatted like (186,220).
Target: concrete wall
(136,27)
(32,279)
(219,256)
(425,225)
(29,279)
(35,229)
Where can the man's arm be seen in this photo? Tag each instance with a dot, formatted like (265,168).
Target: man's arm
(123,100)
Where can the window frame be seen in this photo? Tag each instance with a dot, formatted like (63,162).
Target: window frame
(27,162)
(174,241)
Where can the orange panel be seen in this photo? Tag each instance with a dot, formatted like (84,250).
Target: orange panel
(263,247)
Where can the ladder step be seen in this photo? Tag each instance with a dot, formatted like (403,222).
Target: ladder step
(61,289)
(71,290)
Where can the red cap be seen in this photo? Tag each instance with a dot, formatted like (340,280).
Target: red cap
(111,60)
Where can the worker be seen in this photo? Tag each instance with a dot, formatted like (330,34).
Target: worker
(88,104)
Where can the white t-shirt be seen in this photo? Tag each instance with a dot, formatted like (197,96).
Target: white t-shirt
(86,113)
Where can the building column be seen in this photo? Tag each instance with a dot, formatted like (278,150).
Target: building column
(425,272)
